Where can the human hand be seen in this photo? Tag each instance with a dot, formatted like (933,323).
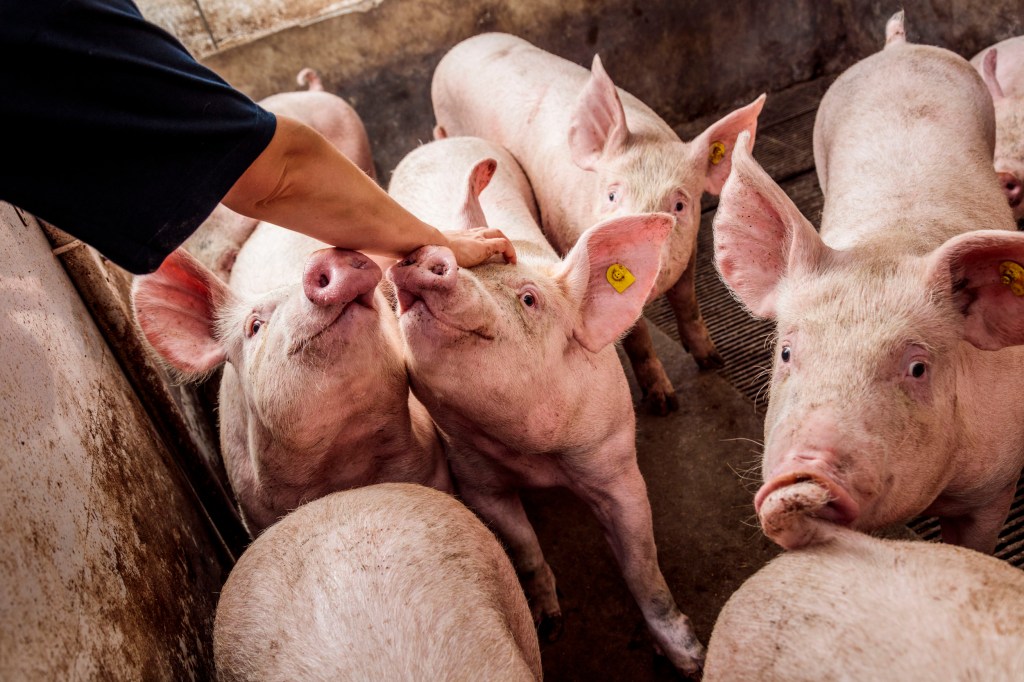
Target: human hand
(474,246)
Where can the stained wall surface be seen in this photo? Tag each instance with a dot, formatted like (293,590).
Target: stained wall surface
(110,569)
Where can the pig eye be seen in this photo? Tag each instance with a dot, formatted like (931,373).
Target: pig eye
(255,324)
(679,206)
(528,299)
(917,369)
(786,353)
(613,195)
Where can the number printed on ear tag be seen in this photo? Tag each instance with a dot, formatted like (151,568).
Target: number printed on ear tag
(620,277)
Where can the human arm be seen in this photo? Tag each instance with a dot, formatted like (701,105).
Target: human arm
(304,183)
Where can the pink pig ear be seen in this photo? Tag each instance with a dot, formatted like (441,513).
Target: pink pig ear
(612,270)
(176,309)
(760,235)
(712,150)
(984,272)
(599,122)
(988,74)
(472,214)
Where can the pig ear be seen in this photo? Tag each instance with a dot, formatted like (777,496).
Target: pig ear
(984,273)
(472,214)
(599,122)
(611,271)
(760,235)
(988,74)
(712,150)
(176,309)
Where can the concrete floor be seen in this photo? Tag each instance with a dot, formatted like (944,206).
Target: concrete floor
(708,540)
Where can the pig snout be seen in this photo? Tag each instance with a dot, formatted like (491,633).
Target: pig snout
(429,268)
(797,506)
(1012,188)
(338,276)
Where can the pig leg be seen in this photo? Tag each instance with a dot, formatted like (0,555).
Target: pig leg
(620,503)
(979,530)
(692,330)
(504,513)
(659,396)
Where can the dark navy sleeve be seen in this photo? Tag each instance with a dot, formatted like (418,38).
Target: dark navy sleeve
(112,131)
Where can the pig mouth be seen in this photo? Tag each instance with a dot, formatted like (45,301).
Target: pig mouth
(362,301)
(840,508)
(409,302)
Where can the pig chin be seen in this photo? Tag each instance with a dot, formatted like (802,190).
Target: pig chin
(418,316)
(326,329)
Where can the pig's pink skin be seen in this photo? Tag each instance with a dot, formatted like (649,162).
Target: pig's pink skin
(532,396)
(385,582)
(548,111)
(1006,85)
(219,239)
(892,281)
(295,394)
(857,607)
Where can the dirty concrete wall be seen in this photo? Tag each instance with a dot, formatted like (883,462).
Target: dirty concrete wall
(685,58)
(110,569)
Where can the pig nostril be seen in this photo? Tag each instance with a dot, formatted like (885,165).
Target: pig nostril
(440,269)
(406,263)
(324,281)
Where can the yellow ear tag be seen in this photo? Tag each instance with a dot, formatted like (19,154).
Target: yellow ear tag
(1012,275)
(619,277)
(716,153)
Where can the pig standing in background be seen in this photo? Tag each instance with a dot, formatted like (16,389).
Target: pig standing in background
(386,582)
(517,366)
(218,240)
(895,388)
(860,608)
(1002,68)
(592,151)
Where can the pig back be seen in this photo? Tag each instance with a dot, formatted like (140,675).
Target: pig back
(903,143)
(433,183)
(392,581)
(861,608)
(503,88)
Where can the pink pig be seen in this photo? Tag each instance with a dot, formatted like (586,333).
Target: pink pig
(387,582)
(861,608)
(218,240)
(1002,68)
(592,151)
(314,396)
(896,384)
(517,366)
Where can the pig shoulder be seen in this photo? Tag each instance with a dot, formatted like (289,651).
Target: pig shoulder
(393,581)
(863,608)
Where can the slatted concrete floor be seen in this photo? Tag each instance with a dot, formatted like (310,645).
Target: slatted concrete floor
(783,147)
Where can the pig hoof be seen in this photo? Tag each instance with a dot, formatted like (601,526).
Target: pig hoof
(710,361)
(660,403)
(550,628)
